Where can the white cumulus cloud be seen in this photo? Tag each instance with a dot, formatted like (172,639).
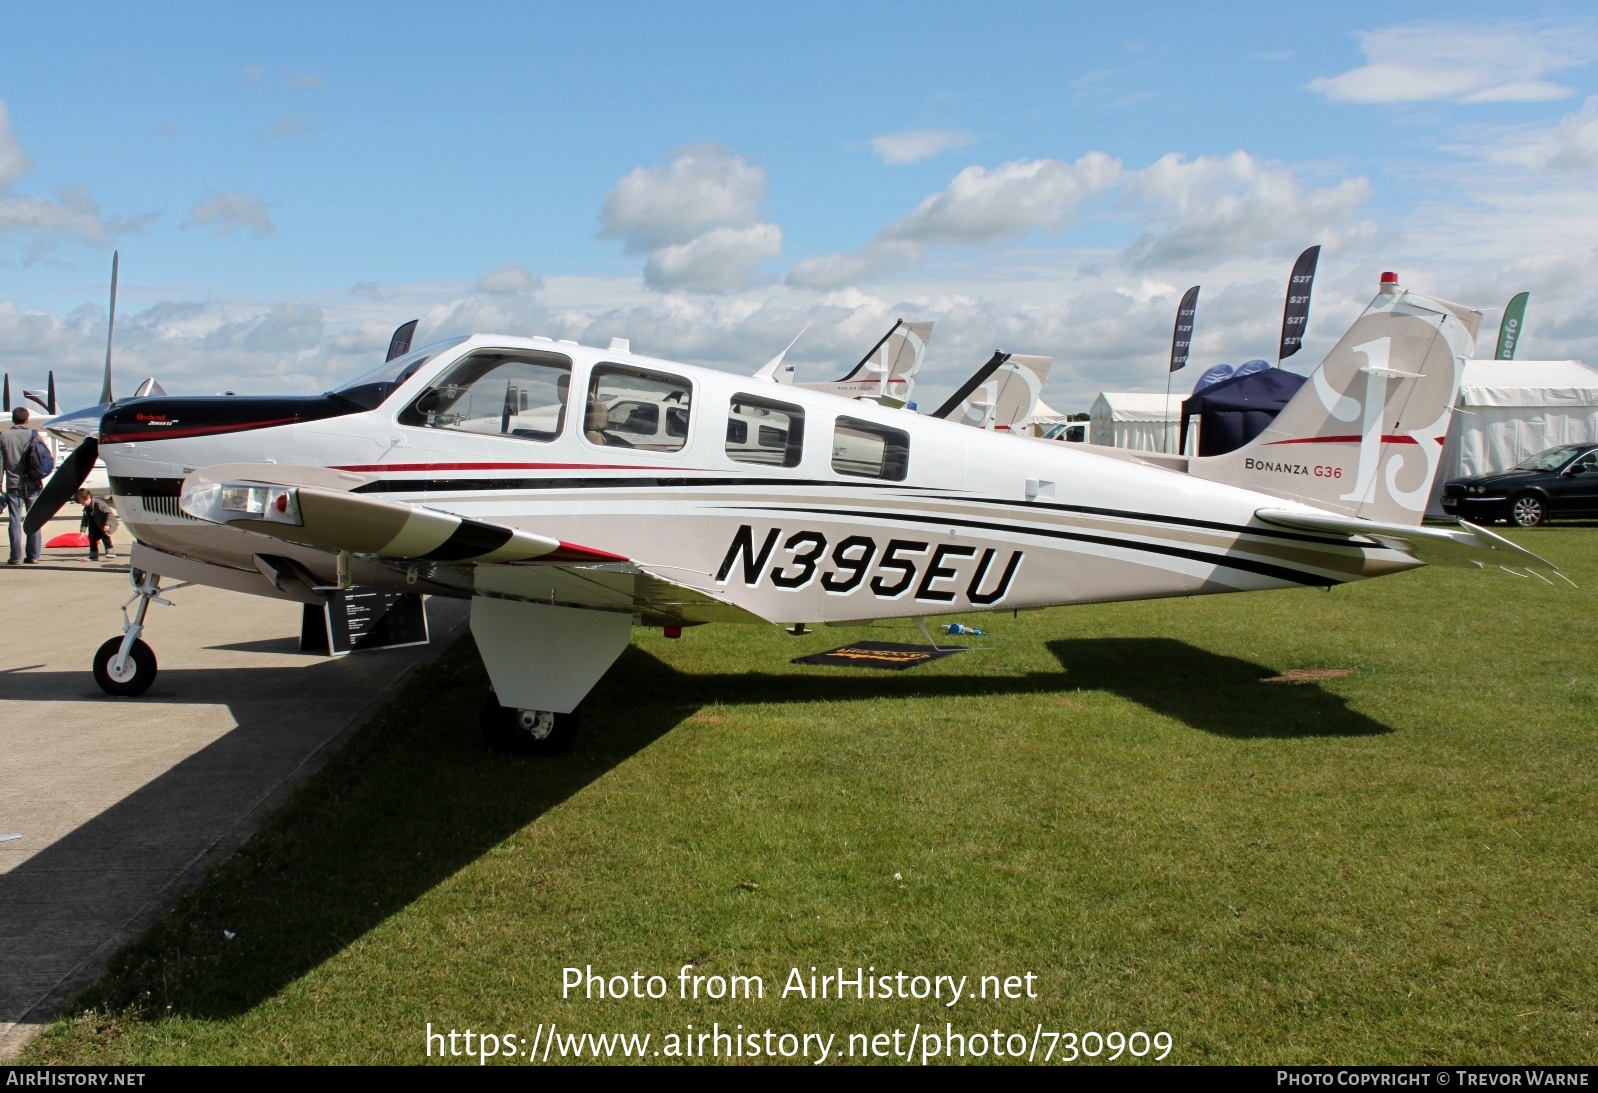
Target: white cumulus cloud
(915,145)
(1445,62)
(231,212)
(1211,208)
(978,205)
(1574,144)
(41,222)
(698,218)
(705,187)
(509,280)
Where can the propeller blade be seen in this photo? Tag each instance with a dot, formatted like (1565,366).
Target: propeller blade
(8,393)
(110,328)
(400,343)
(51,409)
(62,485)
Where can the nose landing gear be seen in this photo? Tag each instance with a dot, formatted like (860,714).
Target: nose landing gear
(526,732)
(125,666)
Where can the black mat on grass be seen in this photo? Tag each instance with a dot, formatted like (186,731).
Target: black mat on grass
(880,654)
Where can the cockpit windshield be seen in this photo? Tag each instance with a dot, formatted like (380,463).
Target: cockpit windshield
(370,389)
(1551,460)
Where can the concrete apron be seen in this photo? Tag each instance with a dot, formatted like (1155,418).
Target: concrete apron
(123,803)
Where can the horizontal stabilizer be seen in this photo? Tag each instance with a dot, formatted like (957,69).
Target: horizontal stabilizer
(1466,545)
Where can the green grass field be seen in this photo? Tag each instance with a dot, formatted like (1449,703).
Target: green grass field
(1395,865)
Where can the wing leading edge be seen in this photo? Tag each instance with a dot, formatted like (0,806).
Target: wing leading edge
(313,507)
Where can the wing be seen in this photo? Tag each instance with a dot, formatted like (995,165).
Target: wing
(314,507)
(1466,545)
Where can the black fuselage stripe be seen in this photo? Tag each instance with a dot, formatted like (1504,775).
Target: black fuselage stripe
(473,485)
(153,487)
(1265,569)
(470,485)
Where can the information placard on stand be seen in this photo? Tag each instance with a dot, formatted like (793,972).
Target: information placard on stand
(357,620)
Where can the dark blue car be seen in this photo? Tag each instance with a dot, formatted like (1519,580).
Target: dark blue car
(1562,481)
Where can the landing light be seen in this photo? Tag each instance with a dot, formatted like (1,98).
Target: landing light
(277,504)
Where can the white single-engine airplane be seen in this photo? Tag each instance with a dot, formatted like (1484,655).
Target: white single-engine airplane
(572,492)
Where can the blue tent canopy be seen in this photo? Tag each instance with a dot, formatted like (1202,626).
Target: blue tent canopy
(1214,374)
(1235,411)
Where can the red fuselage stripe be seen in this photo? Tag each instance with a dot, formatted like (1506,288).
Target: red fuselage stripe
(1406,439)
(504,467)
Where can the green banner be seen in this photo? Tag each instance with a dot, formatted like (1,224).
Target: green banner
(1514,323)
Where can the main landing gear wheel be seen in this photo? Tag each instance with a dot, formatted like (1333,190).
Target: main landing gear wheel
(1528,510)
(526,732)
(130,678)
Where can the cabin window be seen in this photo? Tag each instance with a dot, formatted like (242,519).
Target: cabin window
(500,393)
(867,450)
(633,408)
(762,431)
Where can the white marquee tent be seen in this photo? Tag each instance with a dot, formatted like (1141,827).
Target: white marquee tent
(1508,410)
(1045,415)
(1138,420)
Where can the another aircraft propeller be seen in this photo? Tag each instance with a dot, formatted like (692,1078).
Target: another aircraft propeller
(72,472)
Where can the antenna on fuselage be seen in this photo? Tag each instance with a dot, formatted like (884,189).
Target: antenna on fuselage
(110,328)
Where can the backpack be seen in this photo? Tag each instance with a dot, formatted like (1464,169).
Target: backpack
(38,462)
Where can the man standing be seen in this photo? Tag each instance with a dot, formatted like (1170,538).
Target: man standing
(21,488)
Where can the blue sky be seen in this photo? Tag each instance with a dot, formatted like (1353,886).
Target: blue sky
(286,184)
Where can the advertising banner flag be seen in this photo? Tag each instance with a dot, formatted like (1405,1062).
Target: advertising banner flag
(1514,323)
(1295,316)
(1182,336)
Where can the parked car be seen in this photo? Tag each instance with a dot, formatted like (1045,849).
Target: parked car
(1074,432)
(1562,481)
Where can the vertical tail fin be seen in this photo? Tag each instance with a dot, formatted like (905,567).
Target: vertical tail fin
(889,370)
(999,395)
(1364,436)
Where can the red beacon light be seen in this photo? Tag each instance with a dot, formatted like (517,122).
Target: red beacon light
(1389,285)
(1389,278)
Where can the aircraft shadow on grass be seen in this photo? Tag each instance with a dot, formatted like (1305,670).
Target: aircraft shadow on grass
(417,797)
(1206,691)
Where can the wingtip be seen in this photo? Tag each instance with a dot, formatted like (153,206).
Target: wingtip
(576,552)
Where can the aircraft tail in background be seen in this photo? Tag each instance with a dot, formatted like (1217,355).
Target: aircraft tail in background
(1001,394)
(1364,436)
(887,372)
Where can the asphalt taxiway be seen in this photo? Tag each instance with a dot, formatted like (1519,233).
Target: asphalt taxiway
(121,804)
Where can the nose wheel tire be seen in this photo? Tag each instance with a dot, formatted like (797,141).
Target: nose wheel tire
(526,732)
(133,677)
(1528,510)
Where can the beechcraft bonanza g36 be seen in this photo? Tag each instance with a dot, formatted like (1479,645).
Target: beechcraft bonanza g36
(572,493)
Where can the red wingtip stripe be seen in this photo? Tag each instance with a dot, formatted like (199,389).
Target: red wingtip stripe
(575,552)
